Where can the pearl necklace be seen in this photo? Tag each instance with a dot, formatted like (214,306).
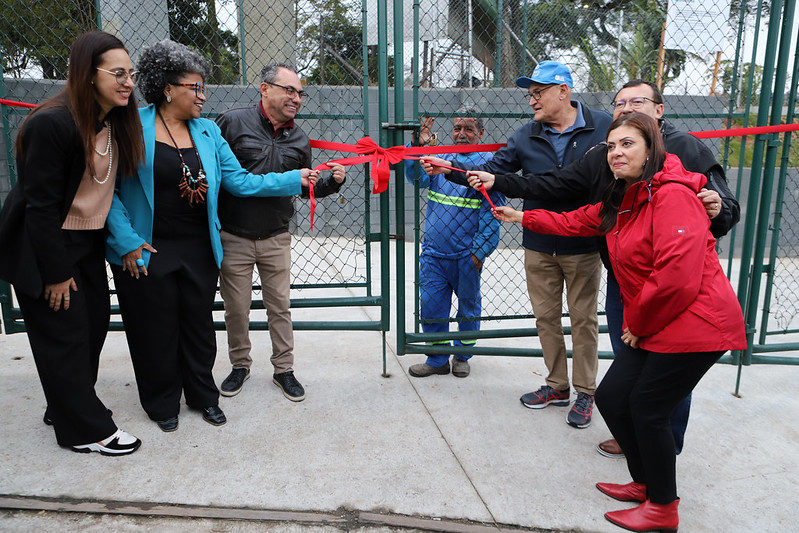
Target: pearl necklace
(110,153)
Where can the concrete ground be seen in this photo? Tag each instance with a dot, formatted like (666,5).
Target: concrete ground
(379,454)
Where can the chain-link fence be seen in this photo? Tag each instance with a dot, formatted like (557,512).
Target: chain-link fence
(322,39)
(454,53)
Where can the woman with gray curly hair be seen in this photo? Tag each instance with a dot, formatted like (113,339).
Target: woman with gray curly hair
(164,245)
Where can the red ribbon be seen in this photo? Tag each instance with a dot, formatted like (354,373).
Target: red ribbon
(12,103)
(312,200)
(481,188)
(369,151)
(742,132)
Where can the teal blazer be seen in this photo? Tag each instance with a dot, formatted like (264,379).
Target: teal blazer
(130,221)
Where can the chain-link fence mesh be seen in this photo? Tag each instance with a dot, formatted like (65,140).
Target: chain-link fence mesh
(604,44)
(784,305)
(238,38)
(451,58)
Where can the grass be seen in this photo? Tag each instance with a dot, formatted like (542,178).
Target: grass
(734,156)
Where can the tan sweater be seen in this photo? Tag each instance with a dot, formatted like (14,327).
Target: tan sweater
(93,200)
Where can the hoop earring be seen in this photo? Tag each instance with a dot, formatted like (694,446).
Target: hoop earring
(168,99)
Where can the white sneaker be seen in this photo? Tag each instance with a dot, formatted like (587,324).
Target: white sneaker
(120,443)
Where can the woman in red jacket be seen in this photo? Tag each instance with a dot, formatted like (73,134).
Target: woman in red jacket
(680,311)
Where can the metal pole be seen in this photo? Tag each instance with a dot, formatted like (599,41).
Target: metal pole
(382,105)
(470,16)
(498,60)
(242,46)
(618,47)
(395,138)
(757,219)
(524,40)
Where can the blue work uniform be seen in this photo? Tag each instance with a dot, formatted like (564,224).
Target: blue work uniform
(458,224)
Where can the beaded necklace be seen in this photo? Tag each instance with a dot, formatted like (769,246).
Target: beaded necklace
(194,188)
(108,152)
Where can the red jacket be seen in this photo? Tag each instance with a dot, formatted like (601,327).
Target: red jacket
(675,294)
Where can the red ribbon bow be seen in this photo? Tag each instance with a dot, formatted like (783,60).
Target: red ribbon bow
(381,158)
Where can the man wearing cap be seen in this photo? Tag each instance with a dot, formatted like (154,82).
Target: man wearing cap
(561,132)
(588,173)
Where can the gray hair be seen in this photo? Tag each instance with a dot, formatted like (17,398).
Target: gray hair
(470,112)
(164,63)
(269,72)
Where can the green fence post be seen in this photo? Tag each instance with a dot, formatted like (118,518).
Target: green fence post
(771,161)
(382,105)
(754,245)
(396,138)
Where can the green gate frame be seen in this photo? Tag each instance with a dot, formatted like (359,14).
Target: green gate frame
(755,226)
(12,321)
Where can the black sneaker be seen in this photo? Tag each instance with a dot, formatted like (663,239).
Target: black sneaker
(234,382)
(289,385)
(580,414)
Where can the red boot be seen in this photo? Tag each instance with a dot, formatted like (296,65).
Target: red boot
(631,492)
(648,517)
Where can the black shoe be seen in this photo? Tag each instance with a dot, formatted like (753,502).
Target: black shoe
(168,425)
(214,415)
(234,382)
(289,385)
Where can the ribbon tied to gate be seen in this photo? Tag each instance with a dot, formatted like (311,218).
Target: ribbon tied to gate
(368,152)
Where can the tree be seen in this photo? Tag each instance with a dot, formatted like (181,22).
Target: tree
(331,44)
(745,70)
(592,28)
(40,33)
(194,23)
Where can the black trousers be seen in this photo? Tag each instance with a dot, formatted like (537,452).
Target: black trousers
(170,332)
(636,398)
(66,344)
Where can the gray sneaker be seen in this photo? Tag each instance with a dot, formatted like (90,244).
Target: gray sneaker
(422,370)
(460,369)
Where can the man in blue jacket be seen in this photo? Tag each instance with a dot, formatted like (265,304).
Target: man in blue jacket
(561,132)
(460,232)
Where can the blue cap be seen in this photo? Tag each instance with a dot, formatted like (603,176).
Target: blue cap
(546,73)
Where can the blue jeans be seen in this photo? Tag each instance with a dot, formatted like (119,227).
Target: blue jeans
(614,311)
(438,279)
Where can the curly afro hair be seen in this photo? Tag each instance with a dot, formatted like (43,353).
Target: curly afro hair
(164,63)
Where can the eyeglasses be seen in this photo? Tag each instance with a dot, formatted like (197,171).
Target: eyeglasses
(291,92)
(121,75)
(635,103)
(199,89)
(536,95)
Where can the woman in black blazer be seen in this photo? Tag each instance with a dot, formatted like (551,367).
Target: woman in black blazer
(53,238)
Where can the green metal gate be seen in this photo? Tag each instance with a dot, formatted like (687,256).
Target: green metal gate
(503,40)
(335,264)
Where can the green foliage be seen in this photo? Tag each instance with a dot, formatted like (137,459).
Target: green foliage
(735,143)
(592,27)
(743,81)
(194,23)
(40,33)
(331,44)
